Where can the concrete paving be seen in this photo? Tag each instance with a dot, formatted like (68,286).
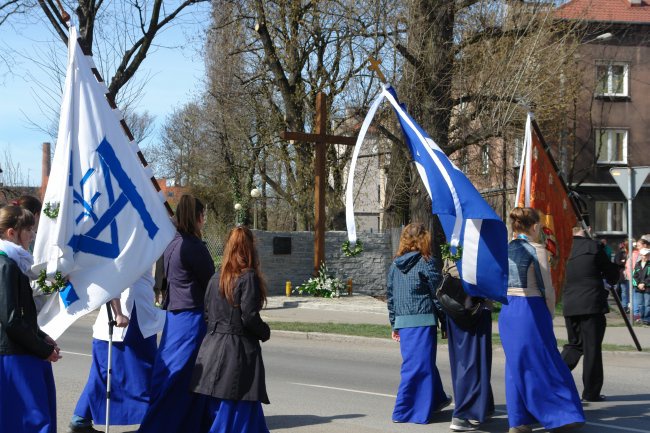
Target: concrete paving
(359,308)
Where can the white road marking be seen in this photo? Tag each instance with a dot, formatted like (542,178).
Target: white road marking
(616,427)
(595,424)
(344,389)
(75,353)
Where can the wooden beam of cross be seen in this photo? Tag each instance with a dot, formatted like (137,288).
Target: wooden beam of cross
(320,139)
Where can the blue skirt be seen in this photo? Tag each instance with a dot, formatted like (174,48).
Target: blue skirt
(539,385)
(229,416)
(130,379)
(27,395)
(420,392)
(173,408)
(470,357)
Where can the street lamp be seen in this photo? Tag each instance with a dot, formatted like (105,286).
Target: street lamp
(600,38)
(238,208)
(255,194)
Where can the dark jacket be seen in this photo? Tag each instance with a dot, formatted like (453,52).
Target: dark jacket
(588,265)
(229,364)
(188,268)
(411,291)
(19,331)
(642,275)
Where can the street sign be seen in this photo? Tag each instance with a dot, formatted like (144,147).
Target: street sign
(624,175)
(630,180)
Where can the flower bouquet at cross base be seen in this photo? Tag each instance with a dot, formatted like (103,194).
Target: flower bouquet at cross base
(323,285)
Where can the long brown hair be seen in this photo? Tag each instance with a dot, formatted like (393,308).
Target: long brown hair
(15,217)
(188,212)
(239,255)
(415,237)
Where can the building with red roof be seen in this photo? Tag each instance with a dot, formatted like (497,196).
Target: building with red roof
(612,119)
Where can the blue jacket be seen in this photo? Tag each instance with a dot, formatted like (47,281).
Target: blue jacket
(411,291)
(521,255)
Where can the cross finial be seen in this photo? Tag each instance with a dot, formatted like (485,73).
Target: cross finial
(374,66)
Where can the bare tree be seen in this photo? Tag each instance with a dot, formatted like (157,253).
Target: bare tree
(472,69)
(271,60)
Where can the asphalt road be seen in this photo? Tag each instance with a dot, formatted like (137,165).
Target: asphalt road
(349,386)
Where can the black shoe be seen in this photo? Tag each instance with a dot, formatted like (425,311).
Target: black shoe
(77,429)
(595,399)
(568,427)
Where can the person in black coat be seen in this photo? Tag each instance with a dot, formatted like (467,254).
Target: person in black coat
(27,390)
(229,367)
(585,306)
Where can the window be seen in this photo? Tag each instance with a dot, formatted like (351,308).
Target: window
(485,159)
(612,79)
(611,217)
(611,145)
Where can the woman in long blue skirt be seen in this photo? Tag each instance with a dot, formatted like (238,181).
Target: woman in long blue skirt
(27,395)
(539,385)
(188,267)
(132,360)
(27,392)
(420,394)
(173,408)
(410,291)
(229,371)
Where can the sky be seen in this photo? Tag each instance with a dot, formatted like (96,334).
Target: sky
(175,74)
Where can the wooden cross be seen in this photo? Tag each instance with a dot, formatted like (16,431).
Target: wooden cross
(320,139)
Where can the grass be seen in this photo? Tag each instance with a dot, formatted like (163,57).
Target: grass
(361,330)
(383,331)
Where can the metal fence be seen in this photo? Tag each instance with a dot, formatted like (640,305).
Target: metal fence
(214,237)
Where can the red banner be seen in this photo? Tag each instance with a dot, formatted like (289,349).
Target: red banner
(549,197)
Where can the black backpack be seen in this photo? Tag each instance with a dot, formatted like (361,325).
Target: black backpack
(452,298)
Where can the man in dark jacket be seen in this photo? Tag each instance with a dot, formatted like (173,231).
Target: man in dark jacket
(585,306)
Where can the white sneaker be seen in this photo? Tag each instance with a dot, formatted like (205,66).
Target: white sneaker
(458,424)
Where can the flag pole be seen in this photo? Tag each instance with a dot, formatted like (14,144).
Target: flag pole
(580,217)
(522,162)
(111,324)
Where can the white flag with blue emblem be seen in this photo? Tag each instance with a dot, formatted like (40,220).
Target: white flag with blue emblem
(105,223)
(467,219)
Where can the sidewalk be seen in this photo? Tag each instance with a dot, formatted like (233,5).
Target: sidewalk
(366,309)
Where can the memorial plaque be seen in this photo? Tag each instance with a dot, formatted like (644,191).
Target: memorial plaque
(281,245)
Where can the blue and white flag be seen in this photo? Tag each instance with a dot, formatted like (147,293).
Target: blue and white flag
(467,219)
(107,224)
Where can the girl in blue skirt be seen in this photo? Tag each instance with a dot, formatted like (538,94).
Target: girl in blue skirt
(229,368)
(27,393)
(539,385)
(411,284)
(188,267)
(133,354)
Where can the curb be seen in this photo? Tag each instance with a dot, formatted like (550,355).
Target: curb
(323,336)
